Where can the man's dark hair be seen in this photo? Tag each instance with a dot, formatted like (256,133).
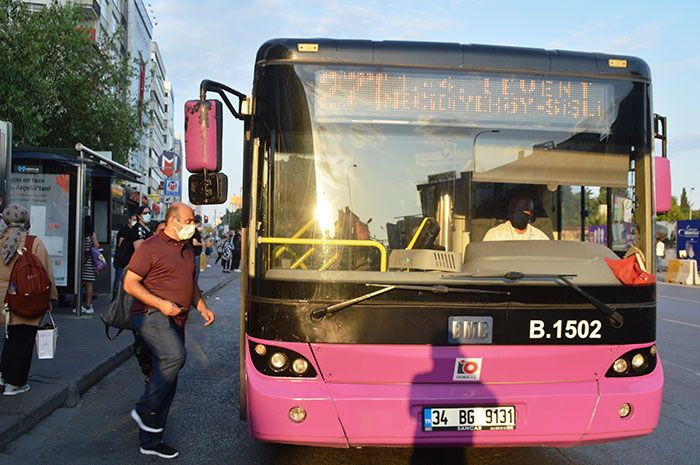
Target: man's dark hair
(197,219)
(88,226)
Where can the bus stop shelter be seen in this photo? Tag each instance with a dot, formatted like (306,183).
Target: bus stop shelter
(60,187)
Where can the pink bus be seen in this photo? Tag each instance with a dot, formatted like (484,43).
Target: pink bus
(427,232)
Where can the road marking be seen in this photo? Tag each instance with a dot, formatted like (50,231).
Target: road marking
(666,362)
(681,323)
(678,298)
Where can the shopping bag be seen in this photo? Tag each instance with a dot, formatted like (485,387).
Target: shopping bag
(98,260)
(46,339)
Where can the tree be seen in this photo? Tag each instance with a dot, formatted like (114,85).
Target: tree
(232,219)
(59,87)
(685,204)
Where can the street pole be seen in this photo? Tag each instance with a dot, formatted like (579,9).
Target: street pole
(690,204)
(5,163)
(79,242)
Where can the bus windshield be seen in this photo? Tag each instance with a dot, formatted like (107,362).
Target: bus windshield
(378,160)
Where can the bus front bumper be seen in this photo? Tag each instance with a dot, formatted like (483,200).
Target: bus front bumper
(547,414)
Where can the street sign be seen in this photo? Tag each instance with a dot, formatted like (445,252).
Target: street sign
(173,187)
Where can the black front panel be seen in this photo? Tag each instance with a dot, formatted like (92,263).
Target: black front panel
(560,317)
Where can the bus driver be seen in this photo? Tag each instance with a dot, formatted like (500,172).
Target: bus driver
(518,227)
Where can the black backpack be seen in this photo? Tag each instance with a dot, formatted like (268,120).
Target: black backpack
(118,314)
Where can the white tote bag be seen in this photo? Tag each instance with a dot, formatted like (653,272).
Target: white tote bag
(46,339)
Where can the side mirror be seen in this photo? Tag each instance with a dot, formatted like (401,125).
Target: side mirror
(203,130)
(208,189)
(662,178)
(662,167)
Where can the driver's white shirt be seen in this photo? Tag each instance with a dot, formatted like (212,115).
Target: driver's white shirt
(506,232)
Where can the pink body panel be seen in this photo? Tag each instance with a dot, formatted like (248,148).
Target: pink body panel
(202,136)
(373,395)
(662,176)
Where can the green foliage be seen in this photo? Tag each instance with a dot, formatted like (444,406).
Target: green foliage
(232,219)
(58,87)
(675,213)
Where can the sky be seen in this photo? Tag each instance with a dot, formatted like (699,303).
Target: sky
(218,40)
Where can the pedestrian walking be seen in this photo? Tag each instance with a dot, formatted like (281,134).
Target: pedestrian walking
(121,257)
(219,245)
(660,253)
(197,246)
(138,233)
(88,270)
(227,249)
(161,278)
(236,251)
(20,334)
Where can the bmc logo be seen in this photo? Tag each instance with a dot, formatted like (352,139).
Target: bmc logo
(467,369)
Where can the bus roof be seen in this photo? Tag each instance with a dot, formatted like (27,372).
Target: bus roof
(452,56)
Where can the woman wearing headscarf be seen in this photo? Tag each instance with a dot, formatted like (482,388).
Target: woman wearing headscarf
(19,341)
(89,274)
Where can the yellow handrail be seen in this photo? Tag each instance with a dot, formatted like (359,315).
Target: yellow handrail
(332,242)
(280,250)
(300,260)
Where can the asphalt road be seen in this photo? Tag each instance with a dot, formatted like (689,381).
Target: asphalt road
(204,421)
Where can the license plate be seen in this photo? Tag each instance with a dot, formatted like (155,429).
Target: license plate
(468,418)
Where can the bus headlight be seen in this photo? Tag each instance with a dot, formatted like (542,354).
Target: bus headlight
(620,365)
(638,361)
(299,366)
(278,361)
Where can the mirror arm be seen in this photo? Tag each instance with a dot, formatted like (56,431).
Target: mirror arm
(212,86)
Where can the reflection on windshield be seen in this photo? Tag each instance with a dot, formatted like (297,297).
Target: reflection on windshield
(424,184)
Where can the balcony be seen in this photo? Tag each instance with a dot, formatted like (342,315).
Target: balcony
(90,7)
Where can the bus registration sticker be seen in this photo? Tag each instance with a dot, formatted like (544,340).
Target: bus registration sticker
(467,369)
(468,418)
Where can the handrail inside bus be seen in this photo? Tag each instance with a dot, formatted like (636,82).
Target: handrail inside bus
(337,242)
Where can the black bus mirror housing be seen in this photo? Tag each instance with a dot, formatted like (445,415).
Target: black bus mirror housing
(203,135)
(208,189)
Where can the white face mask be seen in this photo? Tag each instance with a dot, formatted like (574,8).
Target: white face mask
(186,231)
(146,218)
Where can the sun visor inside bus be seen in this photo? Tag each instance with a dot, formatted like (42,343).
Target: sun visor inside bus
(496,164)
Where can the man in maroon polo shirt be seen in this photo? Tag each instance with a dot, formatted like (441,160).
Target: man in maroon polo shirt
(161,277)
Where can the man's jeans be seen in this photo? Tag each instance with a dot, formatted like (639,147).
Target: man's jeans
(197,262)
(166,340)
(117,276)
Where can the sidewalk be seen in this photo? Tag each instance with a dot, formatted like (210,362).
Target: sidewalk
(84,356)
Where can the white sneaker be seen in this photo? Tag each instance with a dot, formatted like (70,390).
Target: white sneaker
(237,270)
(88,310)
(11,390)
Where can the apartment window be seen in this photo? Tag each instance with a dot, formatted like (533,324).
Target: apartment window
(165,139)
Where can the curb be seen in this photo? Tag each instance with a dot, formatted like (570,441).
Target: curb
(69,395)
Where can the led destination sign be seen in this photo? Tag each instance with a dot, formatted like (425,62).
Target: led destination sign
(353,95)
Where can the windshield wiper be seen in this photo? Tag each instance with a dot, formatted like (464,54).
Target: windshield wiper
(437,289)
(614,318)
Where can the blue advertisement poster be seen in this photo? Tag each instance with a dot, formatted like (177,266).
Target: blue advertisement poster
(688,239)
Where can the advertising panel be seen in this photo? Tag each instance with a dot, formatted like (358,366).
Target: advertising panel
(688,239)
(47,196)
